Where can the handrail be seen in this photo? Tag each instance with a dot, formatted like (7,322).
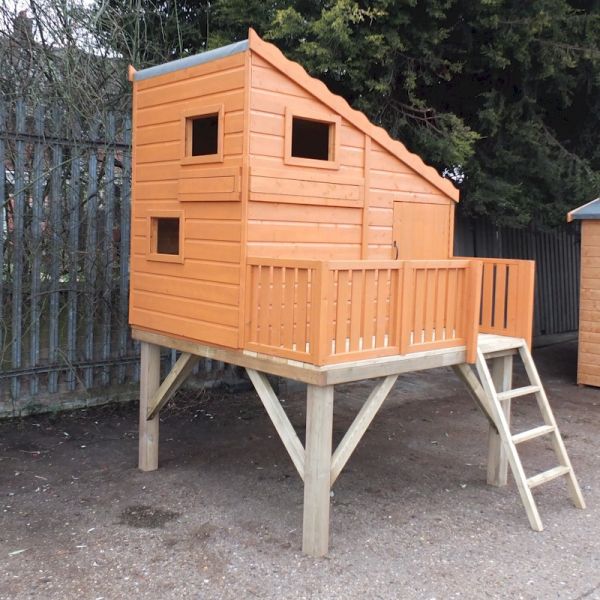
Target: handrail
(507,293)
(332,311)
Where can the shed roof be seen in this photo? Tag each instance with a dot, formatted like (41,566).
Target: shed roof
(591,210)
(317,88)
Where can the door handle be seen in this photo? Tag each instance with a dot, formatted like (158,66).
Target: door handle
(395,247)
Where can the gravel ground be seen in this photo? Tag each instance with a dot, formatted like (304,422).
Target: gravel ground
(411,515)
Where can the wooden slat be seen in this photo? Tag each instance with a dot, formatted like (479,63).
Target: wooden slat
(90,263)
(36,238)
(18,229)
(343,311)
(356,309)
(276,307)
(370,309)
(431,276)
(300,312)
(108,250)
(288,306)
(3,203)
(74,202)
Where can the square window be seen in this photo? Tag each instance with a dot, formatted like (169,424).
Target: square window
(205,135)
(166,236)
(202,134)
(311,139)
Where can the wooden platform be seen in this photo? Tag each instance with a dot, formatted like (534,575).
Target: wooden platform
(316,461)
(331,374)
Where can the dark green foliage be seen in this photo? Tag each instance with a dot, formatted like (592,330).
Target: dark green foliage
(504,95)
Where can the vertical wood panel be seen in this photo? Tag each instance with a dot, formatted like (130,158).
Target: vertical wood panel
(56,227)
(3,200)
(90,264)
(36,240)
(74,200)
(18,227)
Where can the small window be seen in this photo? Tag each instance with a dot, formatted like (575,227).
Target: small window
(205,135)
(311,139)
(166,237)
(202,134)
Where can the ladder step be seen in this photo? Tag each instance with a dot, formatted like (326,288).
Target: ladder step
(547,476)
(522,391)
(531,434)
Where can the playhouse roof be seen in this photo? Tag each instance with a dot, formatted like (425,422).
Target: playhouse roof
(591,210)
(317,88)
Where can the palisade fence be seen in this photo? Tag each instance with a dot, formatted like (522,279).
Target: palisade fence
(557,253)
(64,252)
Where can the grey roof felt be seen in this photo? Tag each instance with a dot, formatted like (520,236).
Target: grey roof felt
(591,210)
(192,61)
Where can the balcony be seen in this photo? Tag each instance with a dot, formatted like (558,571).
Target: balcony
(329,312)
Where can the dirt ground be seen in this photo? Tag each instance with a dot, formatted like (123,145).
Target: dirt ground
(412,516)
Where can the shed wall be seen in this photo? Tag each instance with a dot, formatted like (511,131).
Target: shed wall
(390,181)
(295,210)
(588,371)
(198,298)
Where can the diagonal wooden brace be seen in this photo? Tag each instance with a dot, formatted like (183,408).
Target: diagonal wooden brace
(173,381)
(280,420)
(360,424)
(468,377)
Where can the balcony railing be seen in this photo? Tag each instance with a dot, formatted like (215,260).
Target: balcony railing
(324,312)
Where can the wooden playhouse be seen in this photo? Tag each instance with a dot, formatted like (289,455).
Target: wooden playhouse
(276,228)
(588,360)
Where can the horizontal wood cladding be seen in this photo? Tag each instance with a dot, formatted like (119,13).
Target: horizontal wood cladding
(305,187)
(389,174)
(198,299)
(199,183)
(171,151)
(211,312)
(174,77)
(233,101)
(211,271)
(316,251)
(199,83)
(588,370)
(170,131)
(187,328)
(297,213)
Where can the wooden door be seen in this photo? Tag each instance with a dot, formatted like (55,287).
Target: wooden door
(422,231)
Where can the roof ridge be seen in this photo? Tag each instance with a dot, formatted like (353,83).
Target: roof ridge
(266,50)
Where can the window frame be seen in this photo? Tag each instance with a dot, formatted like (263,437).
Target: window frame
(187,117)
(334,122)
(152,228)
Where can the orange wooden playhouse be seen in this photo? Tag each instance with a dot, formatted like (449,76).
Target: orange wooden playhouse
(276,228)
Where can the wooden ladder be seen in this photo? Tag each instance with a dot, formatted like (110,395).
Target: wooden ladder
(511,441)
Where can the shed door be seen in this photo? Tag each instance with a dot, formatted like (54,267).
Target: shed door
(422,231)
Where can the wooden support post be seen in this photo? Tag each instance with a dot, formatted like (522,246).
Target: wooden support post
(149,383)
(497,469)
(317,469)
